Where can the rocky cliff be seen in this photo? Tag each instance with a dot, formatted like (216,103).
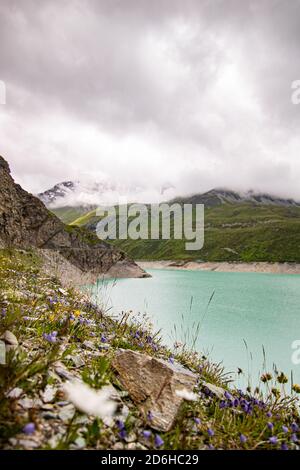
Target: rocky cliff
(25,222)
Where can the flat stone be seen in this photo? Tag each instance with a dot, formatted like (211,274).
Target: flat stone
(49,393)
(10,340)
(15,393)
(152,384)
(217,391)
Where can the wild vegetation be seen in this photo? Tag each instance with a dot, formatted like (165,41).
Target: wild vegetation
(242,232)
(60,334)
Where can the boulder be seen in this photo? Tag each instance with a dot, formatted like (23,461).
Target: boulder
(152,384)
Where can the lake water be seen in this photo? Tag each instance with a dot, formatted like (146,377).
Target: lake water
(259,309)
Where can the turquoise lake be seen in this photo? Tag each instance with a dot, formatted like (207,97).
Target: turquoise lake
(262,310)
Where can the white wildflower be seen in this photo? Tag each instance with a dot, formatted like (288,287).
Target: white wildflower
(92,402)
(186,395)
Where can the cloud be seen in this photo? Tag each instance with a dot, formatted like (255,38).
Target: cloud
(197,94)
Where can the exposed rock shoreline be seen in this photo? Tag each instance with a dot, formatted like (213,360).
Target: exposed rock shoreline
(259,267)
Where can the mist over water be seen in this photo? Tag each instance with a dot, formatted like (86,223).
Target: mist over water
(259,310)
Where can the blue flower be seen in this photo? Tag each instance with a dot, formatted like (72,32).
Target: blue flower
(228,395)
(269,414)
(158,441)
(285,429)
(294,427)
(123,434)
(222,404)
(284,446)
(51,337)
(120,424)
(171,360)
(103,338)
(210,432)
(294,438)
(270,425)
(197,421)
(29,428)
(146,434)
(273,440)
(243,438)
(149,416)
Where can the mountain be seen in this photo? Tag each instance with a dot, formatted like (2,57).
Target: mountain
(59,191)
(25,222)
(216,197)
(238,227)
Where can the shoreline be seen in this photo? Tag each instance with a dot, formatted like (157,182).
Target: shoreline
(253,267)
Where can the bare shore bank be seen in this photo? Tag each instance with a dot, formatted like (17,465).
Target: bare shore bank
(259,267)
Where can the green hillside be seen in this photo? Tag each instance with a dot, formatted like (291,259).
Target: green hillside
(233,232)
(68,214)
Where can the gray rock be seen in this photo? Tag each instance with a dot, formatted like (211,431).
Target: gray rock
(49,393)
(217,391)
(10,340)
(152,384)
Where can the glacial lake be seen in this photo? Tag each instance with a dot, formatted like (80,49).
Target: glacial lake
(261,310)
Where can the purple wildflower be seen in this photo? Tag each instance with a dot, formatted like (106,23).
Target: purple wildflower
(211,447)
(210,432)
(243,438)
(222,404)
(149,416)
(236,402)
(158,441)
(123,434)
(294,438)
(197,421)
(51,337)
(29,428)
(171,360)
(273,440)
(269,414)
(228,395)
(146,434)
(285,429)
(270,425)
(120,424)
(294,427)
(284,446)
(103,338)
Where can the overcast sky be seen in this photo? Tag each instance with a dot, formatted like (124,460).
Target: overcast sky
(188,92)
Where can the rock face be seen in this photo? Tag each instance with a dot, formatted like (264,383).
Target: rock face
(25,222)
(152,384)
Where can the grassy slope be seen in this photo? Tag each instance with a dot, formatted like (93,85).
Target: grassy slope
(69,214)
(254,233)
(32,304)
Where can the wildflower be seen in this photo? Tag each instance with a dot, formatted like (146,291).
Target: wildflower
(123,434)
(29,428)
(294,427)
(270,425)
(120,424)
(282,379)
(197,421)
(243,438)
(236,402)
(51,337)
(285,429)
(228,395)
(158,441)
(275,392)
(296,388)
(146,434)
(269,414)
(77,313)
(186,395)
(52,317)
(211,447)
(294,438)
(273,440)
(284,446)
(72,317)
(222,404)
(266,377)
(171,360)
(149,416)
(90,401)
(103,338)
(210,432)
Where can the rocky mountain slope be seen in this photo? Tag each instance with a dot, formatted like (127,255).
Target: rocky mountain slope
(25,222)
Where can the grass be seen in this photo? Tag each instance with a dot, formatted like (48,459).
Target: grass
(233,232)
(33,304)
